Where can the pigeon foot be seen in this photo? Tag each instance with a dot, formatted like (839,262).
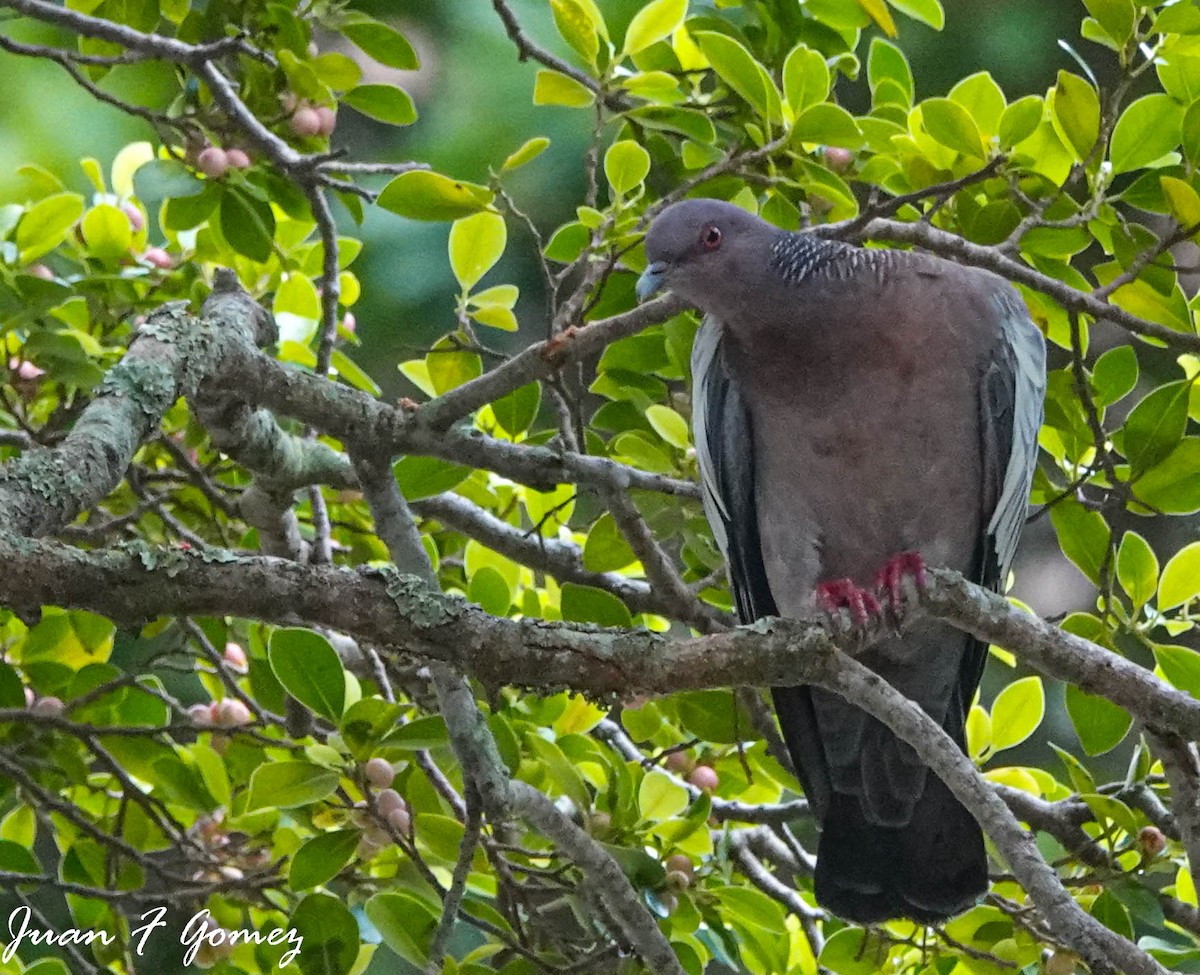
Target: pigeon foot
(889,580)
(836,595)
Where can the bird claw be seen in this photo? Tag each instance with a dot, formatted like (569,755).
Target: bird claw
(889,580)
(836,595)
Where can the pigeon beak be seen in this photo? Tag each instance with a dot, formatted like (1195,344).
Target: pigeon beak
(651,280)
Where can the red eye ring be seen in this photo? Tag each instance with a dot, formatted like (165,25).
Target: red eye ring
(710,238)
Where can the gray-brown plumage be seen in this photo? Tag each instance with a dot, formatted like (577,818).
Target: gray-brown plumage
(850,405)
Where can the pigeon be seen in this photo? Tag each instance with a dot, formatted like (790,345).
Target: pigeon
(859,414)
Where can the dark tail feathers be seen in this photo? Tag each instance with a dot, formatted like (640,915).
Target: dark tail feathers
(930,870)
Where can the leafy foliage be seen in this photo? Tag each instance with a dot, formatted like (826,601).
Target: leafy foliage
(218,763)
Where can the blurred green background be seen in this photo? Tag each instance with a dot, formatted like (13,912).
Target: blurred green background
(474,99)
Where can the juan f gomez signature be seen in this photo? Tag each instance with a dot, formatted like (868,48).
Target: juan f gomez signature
(200,931)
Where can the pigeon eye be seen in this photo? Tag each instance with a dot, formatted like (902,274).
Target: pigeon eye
(710,238)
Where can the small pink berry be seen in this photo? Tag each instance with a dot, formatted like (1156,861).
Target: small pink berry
(1152,840)
(158,257)
(838,159)
(50,707)
(290,101)
(379,772)
(136,220)
(705,778)
(213,162)
(231,713)
(201,715)
(328,119)
(400,820)
(237,158)
(30,697)
(40,271)
(235,658)
(349,323)
(388,801)
(28,371)
(305,122)
(679,762)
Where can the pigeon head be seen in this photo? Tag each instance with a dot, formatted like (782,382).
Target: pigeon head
(699,249)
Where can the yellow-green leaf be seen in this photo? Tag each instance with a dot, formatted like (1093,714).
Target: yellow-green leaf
(46,224)
(626,164)
(669,425)
(425,195)
(1181,578)
(552,88)
(1017,712)
(660,797)
(476,243)
(654,22)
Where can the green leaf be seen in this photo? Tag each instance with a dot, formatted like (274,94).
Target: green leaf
(297,295)
(606,549)
(527,153)
(163,179)
(490,591)
(423,477)
(669,425)
(886,62)
(847,952)
(1181,666)
(385,103)
(737,67)
(1146,131)
(12,691)
(425,195)
(805,78)
(660,798)
(1083,536)
(1155,426)
(322,858)
(385,44)
(1117,17)
(926,11)
(286,785)
(336,70)
(476,243)
(626,164)
(829,125)
(517,411)
(585,604)
(1114,375)
(350,371)
(450,367)
(877,10)
(983,100)
(1020,120)
(1183,199)
(107,231)
(17,858)
(330,936)
(1100,724)
(46,224)
(1171,486)
(309,669)
(406,924)
(1137,568)
(1075,114)
(654,22)
(552,88)
(1181,578)
(1017,712)
(951,125)
(247,223)
(577,26)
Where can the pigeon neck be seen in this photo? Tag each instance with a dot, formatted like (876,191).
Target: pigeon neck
(799,257)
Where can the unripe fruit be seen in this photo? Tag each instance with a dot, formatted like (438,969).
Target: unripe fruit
(677,880)
(705,778)
(1061,963)
(678,762)
(681,863)
(235,658)
(201,715)
(366,850)
(136,220)
(231,713)
(669,902)
(40,271)
(838,159)
(377,836)
(328,119)
(305,121)
(388,801)
(213,162)
(600,823)
(1151,840)
(158,257)
(379,772)
(50,707)
(237,159)
(400,820)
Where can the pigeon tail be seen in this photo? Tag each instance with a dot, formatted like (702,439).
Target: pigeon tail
(928,871)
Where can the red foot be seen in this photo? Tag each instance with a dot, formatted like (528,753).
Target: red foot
(838,594)
(890,579)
